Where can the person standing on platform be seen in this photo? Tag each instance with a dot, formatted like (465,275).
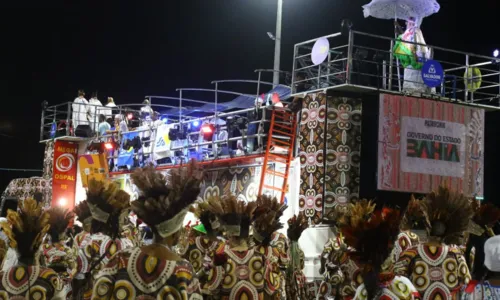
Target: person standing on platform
(108,112)
(95,108)
(80,108)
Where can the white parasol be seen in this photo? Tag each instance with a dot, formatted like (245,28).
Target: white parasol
(400,9)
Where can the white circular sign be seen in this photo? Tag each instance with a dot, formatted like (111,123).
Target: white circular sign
(320,51)
(65,162)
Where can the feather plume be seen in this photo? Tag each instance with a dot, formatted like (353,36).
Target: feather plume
(29,225)
(59,219)
(268,212)
(447,213)
(296,225)
(107,196)
(3,250)
(487,215)
(372,238)
(82,210)
(162,197)
(415,216)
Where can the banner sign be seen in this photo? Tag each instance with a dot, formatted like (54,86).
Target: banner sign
(424,143)
(93,166)
(64,176)
(432,147)
(162,142)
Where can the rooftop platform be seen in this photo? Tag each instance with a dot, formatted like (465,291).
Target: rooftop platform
(365,63)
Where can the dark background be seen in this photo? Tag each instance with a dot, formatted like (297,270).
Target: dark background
(128,49)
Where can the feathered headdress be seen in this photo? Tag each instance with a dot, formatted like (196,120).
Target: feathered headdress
(234,214)
(163,206)
(204,210)
(267,218)
(447,213)
(414,217)
(105,198)
(485,216)
(359,212)
(29,225)
(373,240)
(296,225)
(59,219)
(82,211)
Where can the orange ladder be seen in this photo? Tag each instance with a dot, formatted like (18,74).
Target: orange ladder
(281,134)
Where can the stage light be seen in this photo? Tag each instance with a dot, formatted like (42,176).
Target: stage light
(130,116)
(495,53)
(207,130)
(196,123)
(108,146)
(164,120)
(62,201)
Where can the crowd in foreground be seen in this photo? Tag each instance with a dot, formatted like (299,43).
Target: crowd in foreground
(441,247)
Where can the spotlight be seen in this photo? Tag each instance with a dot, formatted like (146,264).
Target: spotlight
(495,53)
(130,116)
(207,130)
(164,120)
(108,146)
(196,123)
(62,201)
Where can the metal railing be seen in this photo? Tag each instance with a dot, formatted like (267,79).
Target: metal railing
(364,61)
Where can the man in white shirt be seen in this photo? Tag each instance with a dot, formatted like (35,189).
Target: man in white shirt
(95,109)
(80,108)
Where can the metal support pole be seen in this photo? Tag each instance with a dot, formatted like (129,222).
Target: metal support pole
(350,57)
(384,75)
(216,126)
(466,91)
(68,119)
(42,124)
(277,45)
(180,106)
(295,52)
(258,84)
(391,63)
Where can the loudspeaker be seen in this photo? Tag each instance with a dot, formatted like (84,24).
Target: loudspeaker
(9,203)
(83,131)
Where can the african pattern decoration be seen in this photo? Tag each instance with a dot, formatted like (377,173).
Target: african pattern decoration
(406,239)
(32,282)
(199,248)
(244,275)
(95,251)
(436,271)
(333,277)
(343,152)
(133,274)
(399,288)
(23,188)
(330,145)
(62,259)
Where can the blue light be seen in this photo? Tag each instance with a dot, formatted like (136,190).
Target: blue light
(164,120)
(196,123)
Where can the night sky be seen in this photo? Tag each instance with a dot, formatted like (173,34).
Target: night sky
(128,49)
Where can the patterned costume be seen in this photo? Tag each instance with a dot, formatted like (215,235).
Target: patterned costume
(296,284)
(133,274)
(397,288)
(57,254)
(406,239)
(32,282)
(437,272)
(155,271)
(25,230)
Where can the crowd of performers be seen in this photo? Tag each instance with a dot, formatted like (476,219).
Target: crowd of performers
(236,252)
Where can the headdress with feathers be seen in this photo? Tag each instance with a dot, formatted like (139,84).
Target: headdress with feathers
(267,218)
(3,250)
(447,213)
(204,210)
(82,211)
(163,206)
(234,214)
(372,239)
(296,225)
(414,216)
(59,219)
(29,225)
(359,212)
(106,202)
